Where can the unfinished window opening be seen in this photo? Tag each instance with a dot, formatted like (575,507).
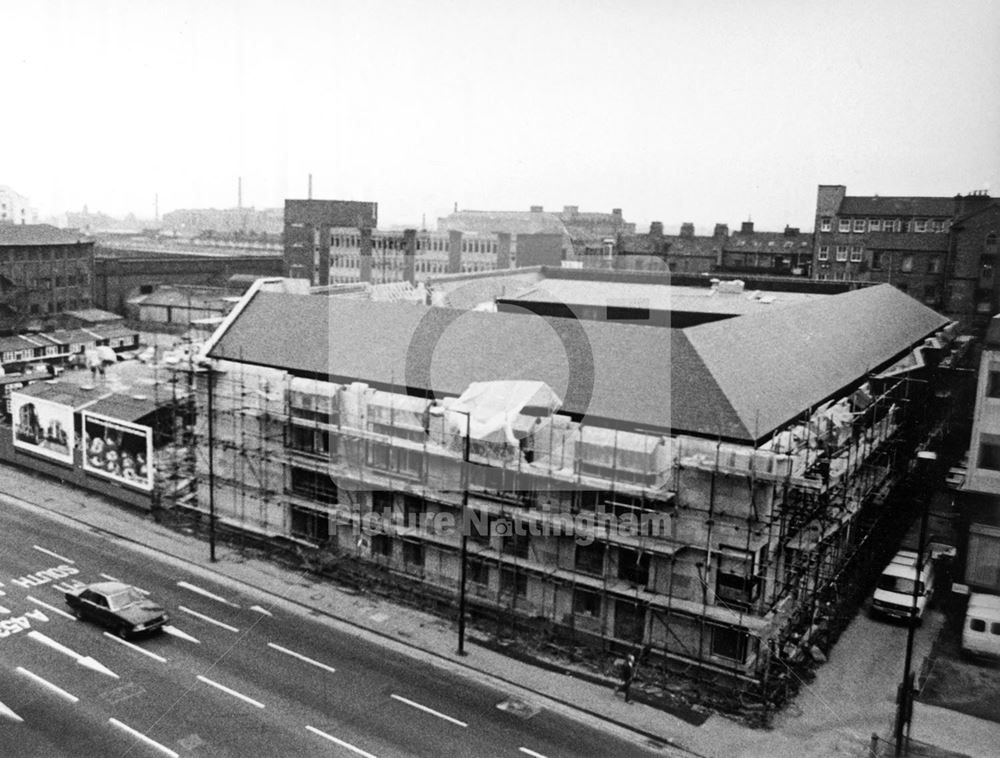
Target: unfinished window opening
(313,485)
(729,643)
(590,558)
(309,524)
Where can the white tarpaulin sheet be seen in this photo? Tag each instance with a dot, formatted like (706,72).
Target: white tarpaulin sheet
(495,409)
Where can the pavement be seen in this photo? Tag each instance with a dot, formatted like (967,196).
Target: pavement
(835,715)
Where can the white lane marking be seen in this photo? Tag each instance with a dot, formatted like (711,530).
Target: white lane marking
(6,712)
(301,657)
(173,630)
(45,683)
(335,741)
(151,654)
(54,555)
(110,578)
(83,660)
(52,608)
(140,736)
(532,753)
(428,710)
(234,693)
(264,611)
(206,593)
(208,619)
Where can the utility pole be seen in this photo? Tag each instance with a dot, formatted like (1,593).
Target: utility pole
(904,697)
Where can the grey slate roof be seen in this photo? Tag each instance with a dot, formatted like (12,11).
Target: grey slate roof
(514,222)
(897,206)
(38,234)
(740,379)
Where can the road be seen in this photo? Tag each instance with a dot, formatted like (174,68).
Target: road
(235,676)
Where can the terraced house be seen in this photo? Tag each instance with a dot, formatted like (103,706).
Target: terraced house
(699,491)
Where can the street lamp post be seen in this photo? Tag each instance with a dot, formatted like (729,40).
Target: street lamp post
(904,699)
(465,532)
(211,467)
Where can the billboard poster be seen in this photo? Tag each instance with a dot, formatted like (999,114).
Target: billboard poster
(42,427)
(118,450)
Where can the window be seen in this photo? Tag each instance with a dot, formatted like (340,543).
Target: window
(633,566)
(855,253)
(989,452)
(381,545)
(977,625)
(590,558)
(859,224)
(906,263)
(930,293)
(986,271)
(845,225)
(729,643)
(993,384)
(991,242)
(516,544)
(874,225)
(477,571)
(513,582)
(382,503)
(310,524)
(934,264)
(935,225)
(313,485)
(630,621)
(586,603)
(825,224)
(824,253)
(413,554)
(920,225)
(879,259)
(841,253)
(735,584)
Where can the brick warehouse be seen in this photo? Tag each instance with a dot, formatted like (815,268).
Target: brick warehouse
(761,481)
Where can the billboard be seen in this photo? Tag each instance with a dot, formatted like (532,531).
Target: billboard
(42,427)
(118,450)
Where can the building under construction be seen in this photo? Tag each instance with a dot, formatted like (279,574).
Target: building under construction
(699,493)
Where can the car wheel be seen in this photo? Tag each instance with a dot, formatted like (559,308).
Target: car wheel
(122,631)
(78,613)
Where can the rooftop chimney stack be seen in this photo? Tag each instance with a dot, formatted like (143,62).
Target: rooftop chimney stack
(537,209)
(721,230)
(656,229)
(746,227)
(687,230)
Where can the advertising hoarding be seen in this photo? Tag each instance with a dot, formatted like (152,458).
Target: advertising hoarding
(118,450)
(42,427)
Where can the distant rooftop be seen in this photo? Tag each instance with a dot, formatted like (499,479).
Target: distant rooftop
(39,234)
(658,297)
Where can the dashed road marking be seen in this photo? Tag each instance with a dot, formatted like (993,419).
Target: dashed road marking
(335,741)
(206,593)
(48,685)
(425,709)
(140,736)
(126,643)
(234,693)
(52,608)
(209,619)
(301,657)
(54,555)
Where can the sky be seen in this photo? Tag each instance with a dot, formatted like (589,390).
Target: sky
(707,111)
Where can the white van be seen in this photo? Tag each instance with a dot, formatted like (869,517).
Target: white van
(981,630)
(894,588)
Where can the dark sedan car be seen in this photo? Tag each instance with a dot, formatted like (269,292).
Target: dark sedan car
(119,607)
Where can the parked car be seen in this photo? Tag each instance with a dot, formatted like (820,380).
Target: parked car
(981,628)
(894,590)
(117,606)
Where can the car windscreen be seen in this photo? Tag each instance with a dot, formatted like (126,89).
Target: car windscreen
(897,584)
(123,599)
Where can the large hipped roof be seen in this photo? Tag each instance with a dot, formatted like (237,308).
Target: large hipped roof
(738,379)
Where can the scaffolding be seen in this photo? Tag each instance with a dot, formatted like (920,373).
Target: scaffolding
(729,562)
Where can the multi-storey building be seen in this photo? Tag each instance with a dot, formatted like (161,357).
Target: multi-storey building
(787,253)
(980,493)
(43,271)
(912,243)
(14,208)
(699,491)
